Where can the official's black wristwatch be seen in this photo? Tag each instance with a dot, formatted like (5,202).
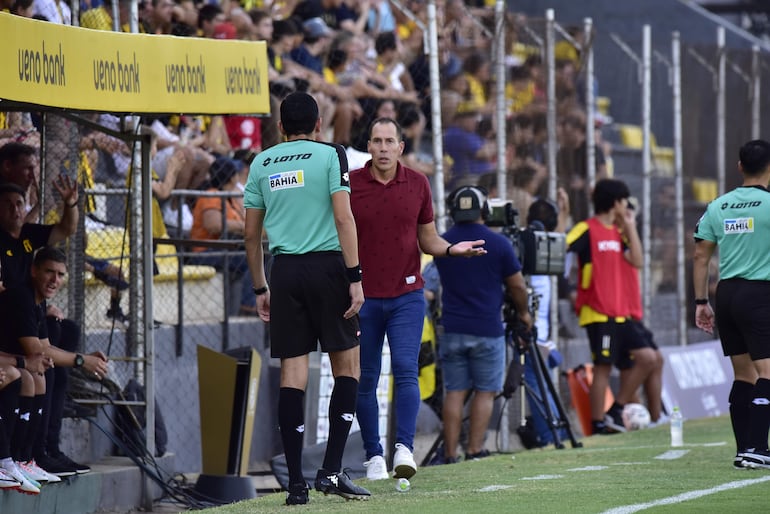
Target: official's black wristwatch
(79,360)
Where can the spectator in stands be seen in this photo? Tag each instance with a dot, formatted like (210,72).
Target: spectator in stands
(100,18)
(472,154)
(161,17)
(465,36)
(413,124)
(571,164)
(177,166)
(523,183)
(477,69)
(381,18)
(454,93)
(23,8)
(17,127)
(263,25)
(18,165)
(316,42)
(390,63)
(18,241)
(111,275)
(283,74)
(209,16)
(334,13)
(519,90)
(55,11)
(208,224)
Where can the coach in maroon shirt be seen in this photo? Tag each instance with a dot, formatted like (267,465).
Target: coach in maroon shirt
(393,209)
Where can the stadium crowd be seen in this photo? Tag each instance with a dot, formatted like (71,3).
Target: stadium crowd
(361,61)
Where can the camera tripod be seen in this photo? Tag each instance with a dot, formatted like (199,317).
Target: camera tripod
(544,396)
(523,343)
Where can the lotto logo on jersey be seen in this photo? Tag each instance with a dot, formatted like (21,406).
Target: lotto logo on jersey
(739,226)
(287,180)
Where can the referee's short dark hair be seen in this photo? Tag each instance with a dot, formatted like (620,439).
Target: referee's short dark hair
(755,156)
(299,114)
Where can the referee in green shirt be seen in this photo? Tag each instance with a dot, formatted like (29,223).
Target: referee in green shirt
(298,191)
(738,223)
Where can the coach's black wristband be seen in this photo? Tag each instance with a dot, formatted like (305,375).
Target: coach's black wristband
(354,273)
(449,248)
(701,301)
(259,290)
(20,363)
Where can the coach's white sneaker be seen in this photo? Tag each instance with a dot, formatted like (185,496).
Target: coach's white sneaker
(403,462)
(376,469)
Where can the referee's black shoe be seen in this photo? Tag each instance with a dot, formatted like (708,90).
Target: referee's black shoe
(298,494)
(339,483)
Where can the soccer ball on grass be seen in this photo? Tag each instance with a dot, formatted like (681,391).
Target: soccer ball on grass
(635,416)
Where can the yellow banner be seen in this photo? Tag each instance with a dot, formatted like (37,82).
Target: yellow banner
(94,70)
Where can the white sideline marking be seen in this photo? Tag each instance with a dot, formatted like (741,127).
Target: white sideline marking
(672,454)
(589,468)
(492,488)
(692,495)
(542,477)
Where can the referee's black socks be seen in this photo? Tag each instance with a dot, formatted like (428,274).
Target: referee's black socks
(759,413)
(342,408)
(740,399)
(291,421)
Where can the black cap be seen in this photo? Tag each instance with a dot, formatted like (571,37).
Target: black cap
(467,203)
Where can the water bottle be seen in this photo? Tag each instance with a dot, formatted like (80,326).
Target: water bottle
(677,427)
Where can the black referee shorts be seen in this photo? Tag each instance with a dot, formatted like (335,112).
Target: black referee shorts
(309,294)
(742,315)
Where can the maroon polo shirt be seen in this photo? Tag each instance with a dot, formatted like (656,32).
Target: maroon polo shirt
(387,217)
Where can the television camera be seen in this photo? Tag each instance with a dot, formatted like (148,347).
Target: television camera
(540,252)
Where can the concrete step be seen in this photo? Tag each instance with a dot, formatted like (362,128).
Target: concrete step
(114,484)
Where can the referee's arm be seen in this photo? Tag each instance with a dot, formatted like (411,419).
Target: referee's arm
(704,315)
(346,231)
(254,256)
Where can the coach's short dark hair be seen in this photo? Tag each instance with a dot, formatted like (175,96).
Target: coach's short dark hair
(299,114)
(755,156)
(385,120)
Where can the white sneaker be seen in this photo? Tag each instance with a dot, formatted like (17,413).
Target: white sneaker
(376,469)
(403,462)
(44,475)
(7,481)
(25,485)
(34,475)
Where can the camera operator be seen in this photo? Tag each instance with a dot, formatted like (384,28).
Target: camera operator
(472,347)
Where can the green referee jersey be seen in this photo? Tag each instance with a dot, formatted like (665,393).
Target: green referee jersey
(739,222)
(293,182)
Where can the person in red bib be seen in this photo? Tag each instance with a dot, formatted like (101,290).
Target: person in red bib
(604,245)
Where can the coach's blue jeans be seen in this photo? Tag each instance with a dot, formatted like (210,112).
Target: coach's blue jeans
(401,319)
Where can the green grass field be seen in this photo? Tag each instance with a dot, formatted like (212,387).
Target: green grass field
(621,473)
